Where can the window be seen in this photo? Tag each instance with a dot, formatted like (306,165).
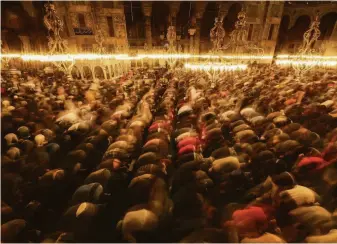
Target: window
(111,26)
(250,32)
(81,20)
(271,30)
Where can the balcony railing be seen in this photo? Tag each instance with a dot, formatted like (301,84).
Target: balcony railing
(80,31)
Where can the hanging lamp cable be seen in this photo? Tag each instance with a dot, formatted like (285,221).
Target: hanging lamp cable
(131,11)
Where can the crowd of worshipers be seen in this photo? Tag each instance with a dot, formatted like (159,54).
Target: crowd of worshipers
(159,156)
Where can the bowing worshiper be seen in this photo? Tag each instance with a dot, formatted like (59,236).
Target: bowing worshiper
(185,162)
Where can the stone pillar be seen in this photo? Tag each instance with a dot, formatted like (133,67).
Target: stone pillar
(147,12)
(199,12)
(191,32)
(271,26)
(25,43)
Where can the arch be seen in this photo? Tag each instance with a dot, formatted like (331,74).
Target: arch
(301,25)
(75,72)
(183,18)
(99,73)
(87,73)
(295,16)
(283,32)
(160,14)
(231,17)
(328,22)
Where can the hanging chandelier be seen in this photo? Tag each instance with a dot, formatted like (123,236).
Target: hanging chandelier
(301,64)
(238,42)
(172,49)
(56,44)
(100,39)
(99,36)
(217,35)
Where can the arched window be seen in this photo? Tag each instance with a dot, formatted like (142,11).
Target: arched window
(301,25)
(327,25)
(207,22)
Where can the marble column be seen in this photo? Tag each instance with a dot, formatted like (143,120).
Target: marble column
(270,27)
(147,12)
